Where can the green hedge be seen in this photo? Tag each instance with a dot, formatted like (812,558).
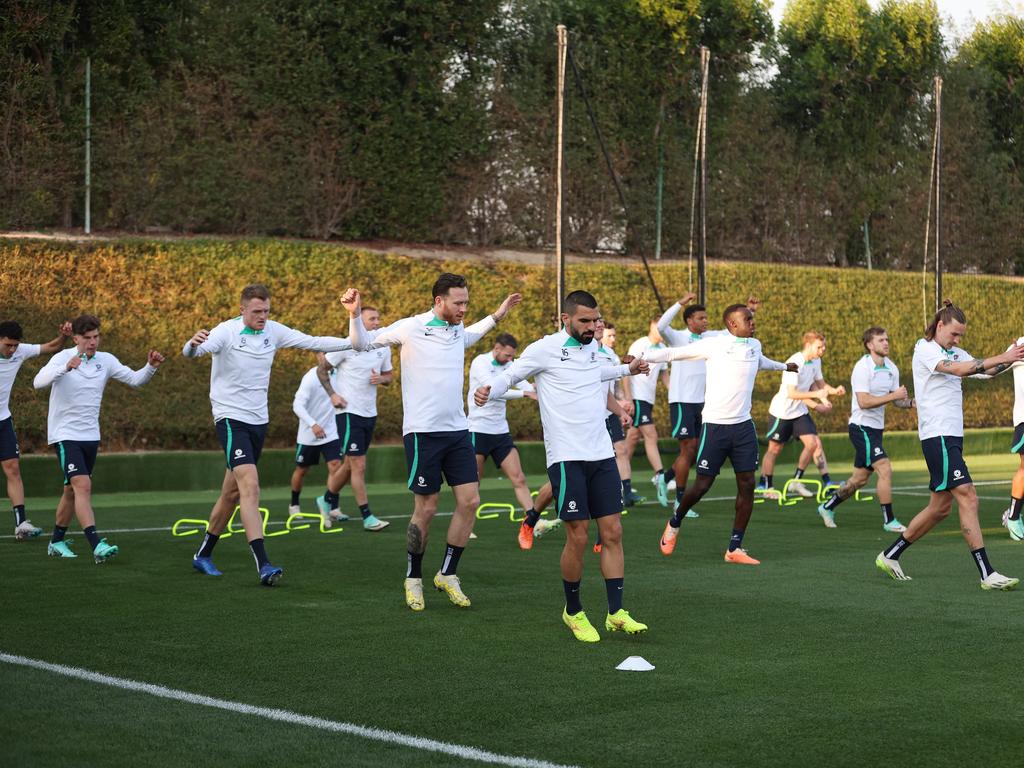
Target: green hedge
(152,294)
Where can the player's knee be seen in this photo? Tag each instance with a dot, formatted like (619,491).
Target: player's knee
(576,535)
(12,468)
(611,535)
(334,465)
(745,485)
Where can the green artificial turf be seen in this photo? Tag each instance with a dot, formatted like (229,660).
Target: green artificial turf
(812,658)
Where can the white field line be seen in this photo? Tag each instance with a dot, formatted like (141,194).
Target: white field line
(905,490)
(284,716)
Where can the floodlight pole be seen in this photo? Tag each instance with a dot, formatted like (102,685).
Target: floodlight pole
(702,241)
(559,163)
(88,146)
(938,189)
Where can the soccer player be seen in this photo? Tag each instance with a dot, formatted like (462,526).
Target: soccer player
(686,388)
(12,354)
(605,336)
(733,361)
(1011,517)
(875,381)
(243,350)
(569,375)
(939,365)
(77,378)
(790,415)
(358,376)
(643,390)
(434,425)
(317,436)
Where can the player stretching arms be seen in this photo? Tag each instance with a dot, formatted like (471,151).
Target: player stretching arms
(317,436)
(875,381)
(359,375)
(12,354)
(733,361)
(570,375)
(243,350)
(686,388)
(1011,517)
(434,424)
(643,390)
(790,417)
(77,378)
(939,366)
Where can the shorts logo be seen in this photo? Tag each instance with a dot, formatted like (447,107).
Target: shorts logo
(72,467)
(776,436)
(353,447)
(421,482)
(683,431)
(644,419)
(239,453)
(572,505)
(704,462)
(957,474)
(877,450)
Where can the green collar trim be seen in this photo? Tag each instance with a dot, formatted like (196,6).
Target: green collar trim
(495,363)
(437,321)
(571,342)
(247,331)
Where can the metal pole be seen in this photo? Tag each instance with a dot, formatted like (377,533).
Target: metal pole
(88,146)
(702,252)
(657,213)
(559,256)
(867,243)
(938,190)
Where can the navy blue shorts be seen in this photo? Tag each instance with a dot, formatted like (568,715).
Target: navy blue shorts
(867,446)
(945,459)
(309,455)
(614,426)
(586,489)
(8,440)
(781,430)
(718,442)
(76,457)
(355,433)
(686,420)
(498,447)
(242,443)
(643,413)
(431,454)
(1018,439)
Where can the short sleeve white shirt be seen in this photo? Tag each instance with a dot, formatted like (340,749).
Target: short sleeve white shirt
(875,380)
(939,396)
(784,407)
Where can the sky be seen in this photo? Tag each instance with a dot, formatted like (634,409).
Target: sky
(960,15)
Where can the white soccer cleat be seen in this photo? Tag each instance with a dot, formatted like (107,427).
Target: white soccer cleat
(891,568)
(827,516)
(294,509)
(894,526)
(26,530)
(546,526)
(801,490)
(770,493)
(997,581)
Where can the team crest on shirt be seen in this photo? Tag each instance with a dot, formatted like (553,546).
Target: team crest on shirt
(266,341)
(242,342)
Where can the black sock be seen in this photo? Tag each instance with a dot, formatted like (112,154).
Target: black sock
(259,552)
(364,510)
(92,536)
(736,540)
(826,478)
(572,597)
(833,501)
(677,517)
(670,475)
(295,498)
(532,517)
(451,560)
(209,542)
(614,589)
(598,542)
(58,533)
(19,514)
(331,499)
(1015,506)
(627,487)
(767,481)
(887,512)
(799,473)
(898,548)
(981,560)
(415,569)
(680,492)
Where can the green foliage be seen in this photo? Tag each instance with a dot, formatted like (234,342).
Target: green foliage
(155,295)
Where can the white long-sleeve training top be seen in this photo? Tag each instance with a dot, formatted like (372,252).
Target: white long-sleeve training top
(433,359)
(687,379)
(490,418)
(353,382)
(242,359)
(570,379)
(313,406)
(9,367)
(732,366)
(75,395)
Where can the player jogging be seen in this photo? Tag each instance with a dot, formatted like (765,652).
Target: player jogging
(434,425)
(358,376)
(243,350)
(643,391)
(317,436)
(77,378)
(875,381)
(733,361)
(569,375)
(13,352)
(939,365)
